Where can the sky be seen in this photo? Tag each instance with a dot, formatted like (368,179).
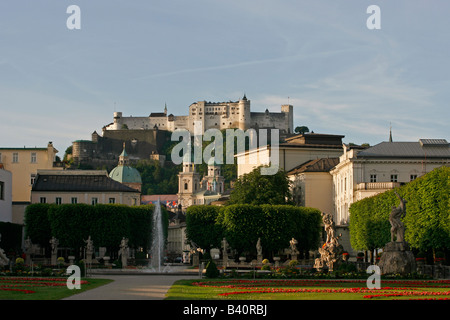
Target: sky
(59,84)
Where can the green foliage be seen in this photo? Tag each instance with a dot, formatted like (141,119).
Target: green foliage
(37,225)
(257,189)
(301,129)
(157,179)
(107,224)
(201,226)
(427,220)
(275,225)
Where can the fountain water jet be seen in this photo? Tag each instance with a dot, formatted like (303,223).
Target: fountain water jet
(157,241)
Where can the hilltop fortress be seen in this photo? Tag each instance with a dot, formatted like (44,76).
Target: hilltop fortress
(218,115)
(145,136)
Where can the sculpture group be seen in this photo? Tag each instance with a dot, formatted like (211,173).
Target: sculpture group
(331,251)
(397,256)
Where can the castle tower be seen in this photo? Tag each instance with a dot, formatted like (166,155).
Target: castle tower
(244,113)
(288,110)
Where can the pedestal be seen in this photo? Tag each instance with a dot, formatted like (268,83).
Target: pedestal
(54,260)
(259,259)
(397,258)
(195,260)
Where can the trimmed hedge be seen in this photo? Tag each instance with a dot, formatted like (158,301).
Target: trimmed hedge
(107,224)
(243,224)
(427,220)
(201,226)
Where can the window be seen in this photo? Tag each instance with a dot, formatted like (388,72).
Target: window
(32,178)
(394,178)
(58,200)
(413,177)
(74,200)
(373,178)
(15,157)
(2,190)
(33,157)
(43,200)
(185,186)
(112,200)
(94,201)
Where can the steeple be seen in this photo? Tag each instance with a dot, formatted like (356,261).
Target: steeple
(165,109)
(390,133)
(123,158)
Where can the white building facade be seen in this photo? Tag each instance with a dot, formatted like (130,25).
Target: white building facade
(363,173)
(5,195)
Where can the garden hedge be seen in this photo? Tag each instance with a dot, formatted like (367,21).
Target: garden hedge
(243,224)
(107,224)
(427,220)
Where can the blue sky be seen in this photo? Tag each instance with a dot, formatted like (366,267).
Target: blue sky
(136,56)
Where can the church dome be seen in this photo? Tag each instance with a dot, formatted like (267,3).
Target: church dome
(123,173)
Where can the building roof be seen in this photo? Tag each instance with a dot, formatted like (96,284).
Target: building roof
(424,148)
(157,115)
(317,165)
(125,174)
(78,183)
(314,140)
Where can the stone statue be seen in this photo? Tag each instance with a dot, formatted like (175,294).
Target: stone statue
(89,249)
(225,246)
(397,256)
(397,227)
(3,258)
(54,242)
(331,251)
(259,247)
(28,250)
(124,251)
(293,245)
(329,226)
(89,244)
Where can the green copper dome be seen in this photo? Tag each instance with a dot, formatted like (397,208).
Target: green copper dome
(125,174)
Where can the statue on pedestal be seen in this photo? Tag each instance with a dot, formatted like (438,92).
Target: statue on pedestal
(293,246)
(259,254)
(28,250)
(397,227)
(54,245)
(397,256)
(89,249)
(331,251)
(124,252)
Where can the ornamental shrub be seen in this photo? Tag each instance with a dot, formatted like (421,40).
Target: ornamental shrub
(211,270)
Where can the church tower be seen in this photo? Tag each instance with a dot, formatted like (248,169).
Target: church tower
(188,184)
(213,181)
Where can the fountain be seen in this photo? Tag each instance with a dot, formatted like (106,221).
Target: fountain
(157,241)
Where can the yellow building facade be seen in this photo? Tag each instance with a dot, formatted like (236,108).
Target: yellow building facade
(23,163)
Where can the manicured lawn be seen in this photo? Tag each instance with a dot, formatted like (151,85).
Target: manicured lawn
(42,288)
(307,289)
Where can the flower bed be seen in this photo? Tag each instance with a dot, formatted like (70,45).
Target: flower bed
(26,284)
(390,289)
